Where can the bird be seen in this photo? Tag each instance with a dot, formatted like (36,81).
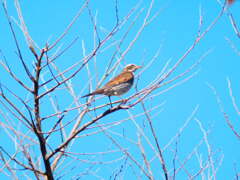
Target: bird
(119,85)
(229,2)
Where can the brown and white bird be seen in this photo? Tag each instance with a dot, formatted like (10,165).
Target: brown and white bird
(119,84)
(229,2)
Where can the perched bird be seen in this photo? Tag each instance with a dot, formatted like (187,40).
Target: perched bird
(229,2)
(119,84)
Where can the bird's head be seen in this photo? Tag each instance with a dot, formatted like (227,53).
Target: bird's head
(131,68)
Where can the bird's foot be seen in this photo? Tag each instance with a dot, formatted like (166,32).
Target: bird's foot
(124,101)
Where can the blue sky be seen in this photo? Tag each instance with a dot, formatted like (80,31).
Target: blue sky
(170,34)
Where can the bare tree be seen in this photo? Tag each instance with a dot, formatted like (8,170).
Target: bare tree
(45,127)
(230,119)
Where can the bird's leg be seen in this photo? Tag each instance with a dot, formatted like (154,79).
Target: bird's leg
(109,97)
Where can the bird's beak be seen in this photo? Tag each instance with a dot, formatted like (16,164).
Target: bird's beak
(138,67)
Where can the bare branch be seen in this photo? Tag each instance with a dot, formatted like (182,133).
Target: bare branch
(232,97)
(223,112)
(162,161)
(16,43)
(70,25)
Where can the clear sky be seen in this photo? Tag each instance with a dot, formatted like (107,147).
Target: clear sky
(168,36)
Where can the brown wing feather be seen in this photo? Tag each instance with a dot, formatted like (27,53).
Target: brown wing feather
(123,77)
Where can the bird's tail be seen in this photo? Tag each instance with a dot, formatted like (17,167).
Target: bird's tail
(90,94)
(98,91)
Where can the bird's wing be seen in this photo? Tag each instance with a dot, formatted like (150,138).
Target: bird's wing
(121,78)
